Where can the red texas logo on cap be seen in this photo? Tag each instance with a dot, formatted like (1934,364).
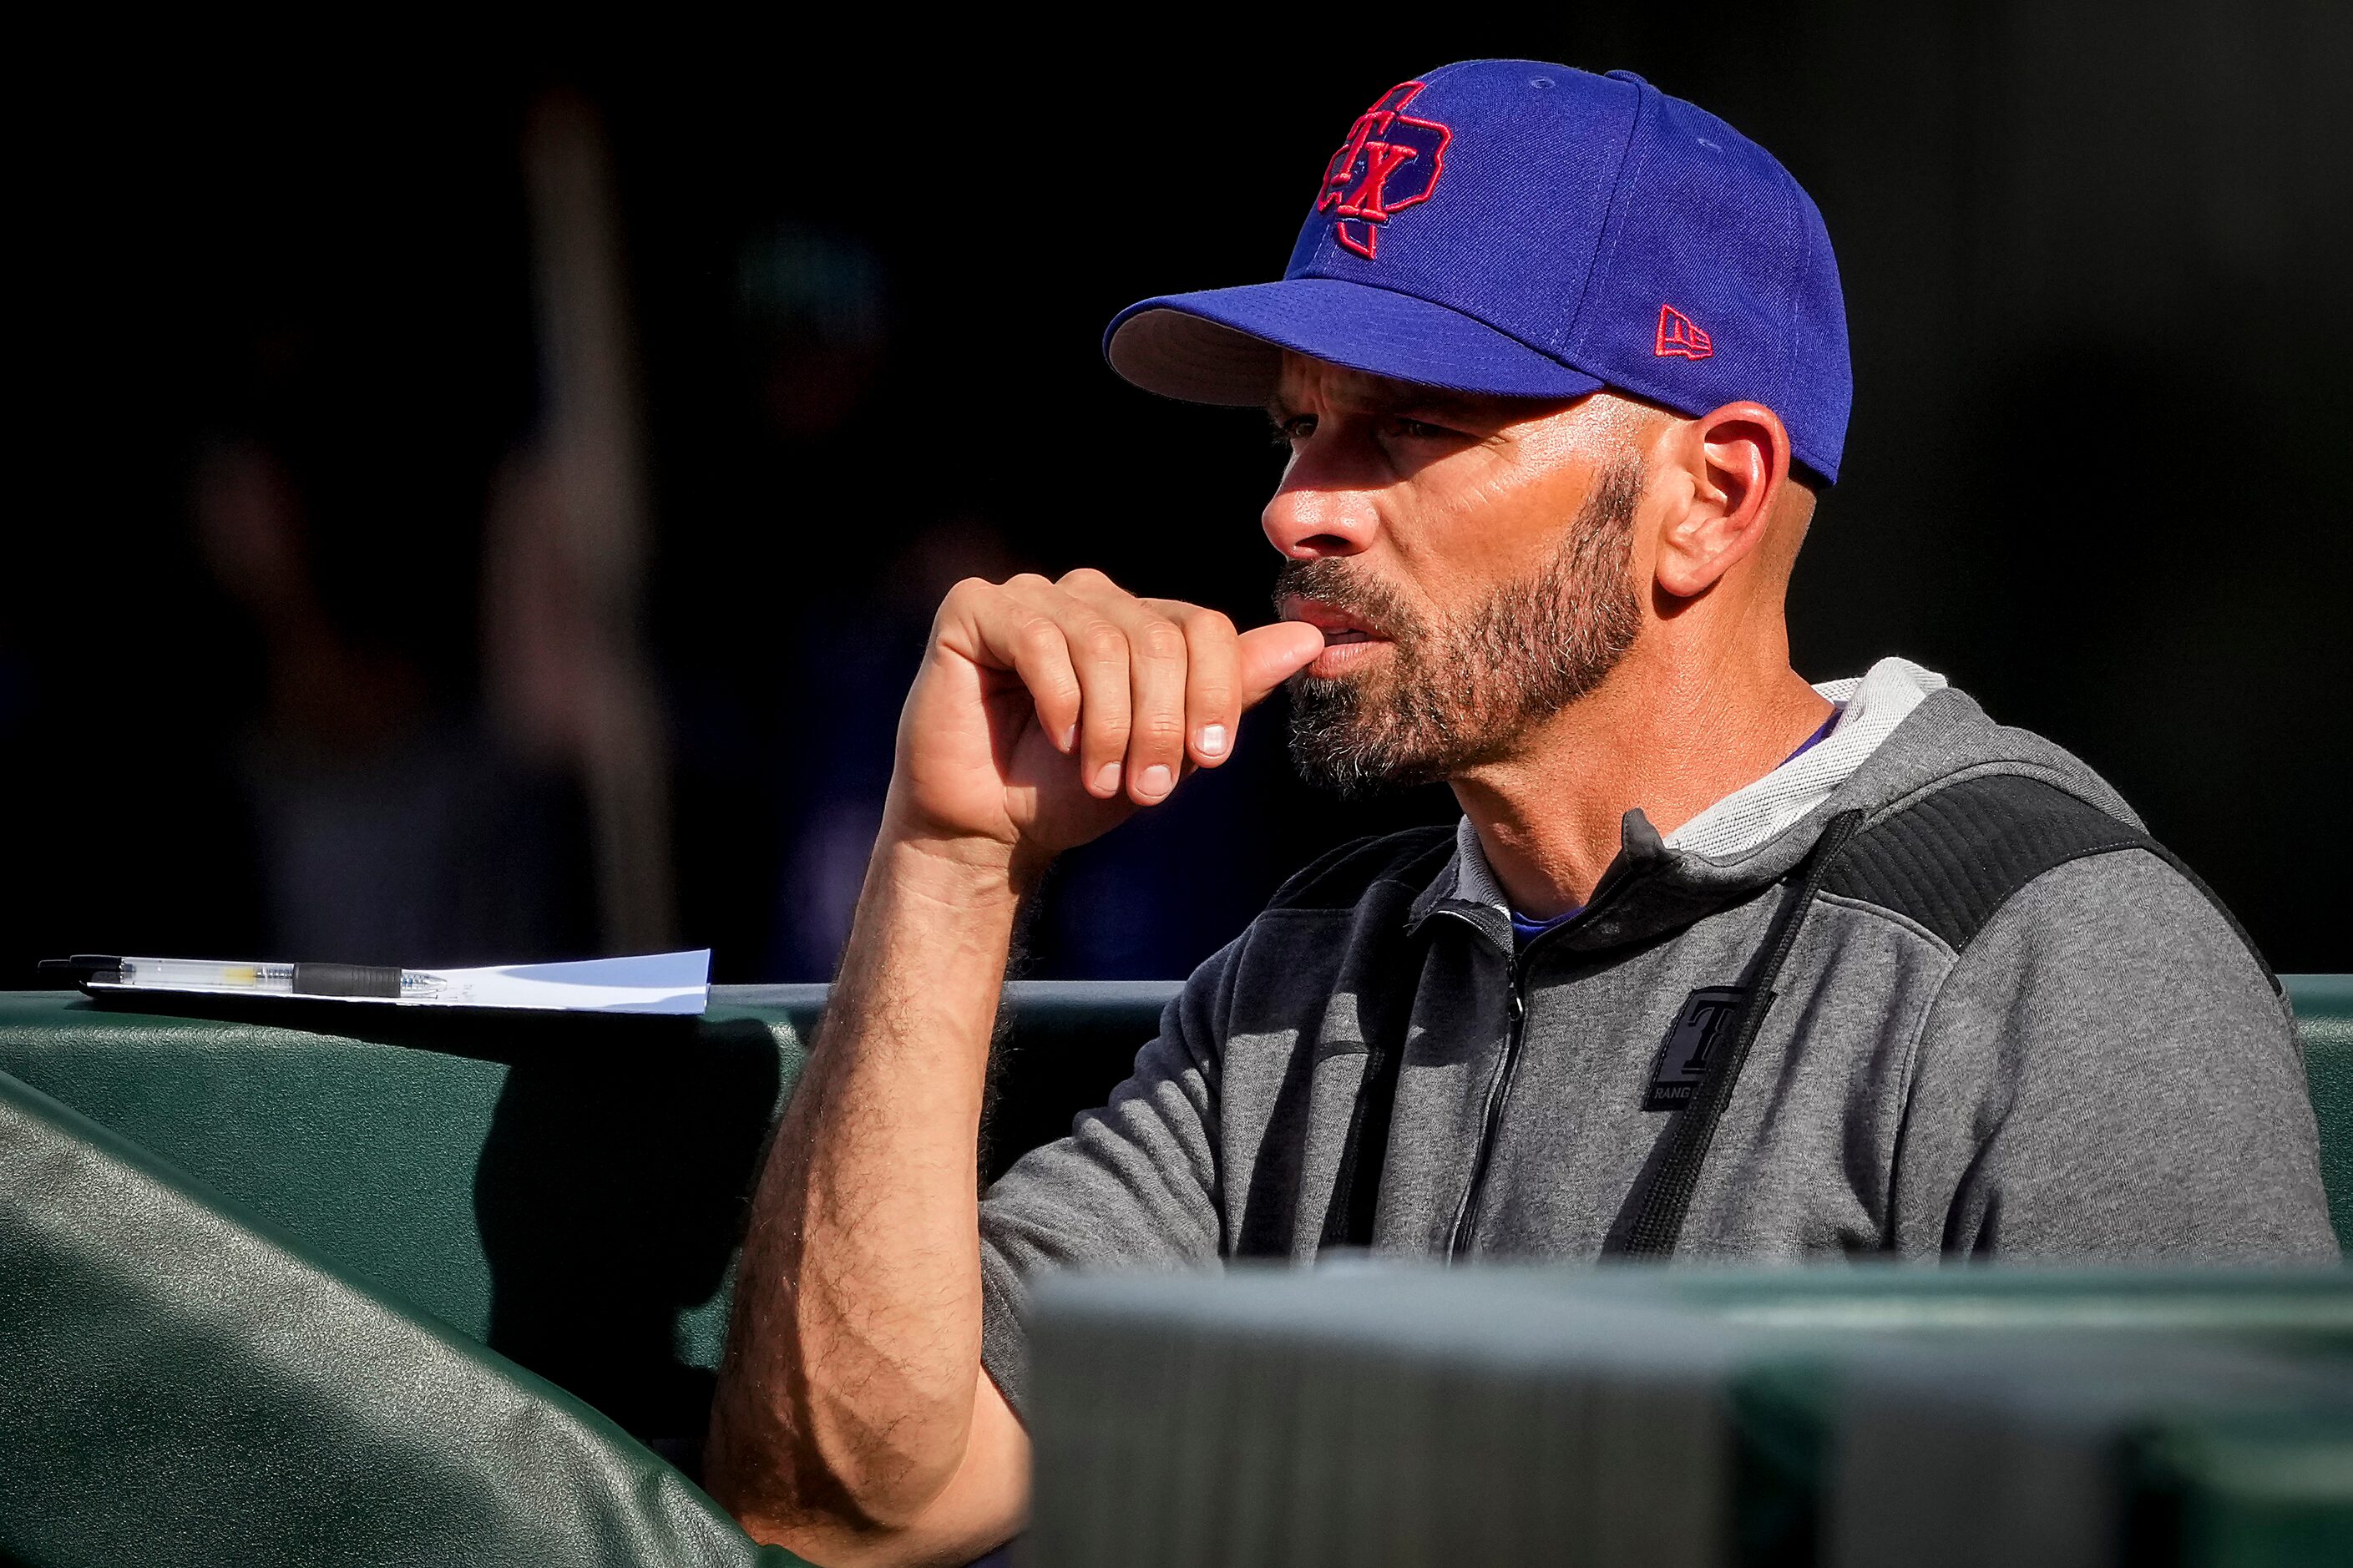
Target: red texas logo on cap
(1678,334)
(1389,161)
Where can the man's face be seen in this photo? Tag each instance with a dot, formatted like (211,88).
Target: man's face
(1466,557)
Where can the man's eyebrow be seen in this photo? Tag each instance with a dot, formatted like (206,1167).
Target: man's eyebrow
(1437,400)
(1383,398)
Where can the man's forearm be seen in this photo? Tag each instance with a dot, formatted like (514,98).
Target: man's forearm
(852,1418)
(847,1395)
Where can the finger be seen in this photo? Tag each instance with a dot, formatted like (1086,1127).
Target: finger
(1212,679)
(1156,663)
(1100,657)
(1019,631)
(1041,646)
(1157,657)
(1269,655)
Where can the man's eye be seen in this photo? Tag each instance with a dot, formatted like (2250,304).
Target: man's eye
(1420,430)
(1298,427)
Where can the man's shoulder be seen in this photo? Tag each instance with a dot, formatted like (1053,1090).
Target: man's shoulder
(1950,857)
(1342,879)
(1954,858)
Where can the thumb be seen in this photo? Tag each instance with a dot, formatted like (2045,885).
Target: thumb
(1272,655)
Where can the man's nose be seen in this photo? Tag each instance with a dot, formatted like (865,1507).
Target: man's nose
(1307,522)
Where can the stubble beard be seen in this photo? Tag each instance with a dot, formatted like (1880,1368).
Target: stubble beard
(1459,693)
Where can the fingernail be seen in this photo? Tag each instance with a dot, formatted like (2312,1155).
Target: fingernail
(1069,737)
(1157,781)
(1213,739)
(1107,778)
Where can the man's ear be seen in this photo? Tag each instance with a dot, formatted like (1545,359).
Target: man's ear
(1735,462)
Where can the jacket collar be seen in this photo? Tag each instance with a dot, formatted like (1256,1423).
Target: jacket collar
(1646,890)
(1651,888)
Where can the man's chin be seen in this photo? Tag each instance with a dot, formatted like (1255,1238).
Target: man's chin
(1356,776)
(1350,761)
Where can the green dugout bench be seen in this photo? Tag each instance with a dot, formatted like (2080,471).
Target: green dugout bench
(368,1286)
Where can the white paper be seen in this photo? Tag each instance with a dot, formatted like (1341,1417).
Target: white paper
(674,983)
(654,983)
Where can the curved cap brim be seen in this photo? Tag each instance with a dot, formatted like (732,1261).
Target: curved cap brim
(1225,345)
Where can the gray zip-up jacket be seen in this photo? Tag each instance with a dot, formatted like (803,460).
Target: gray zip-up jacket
(2083,1059)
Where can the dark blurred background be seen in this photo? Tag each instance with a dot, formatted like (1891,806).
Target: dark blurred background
(482,498)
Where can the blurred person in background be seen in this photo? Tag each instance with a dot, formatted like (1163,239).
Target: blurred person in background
(340,511)
(294,349)
(812,310)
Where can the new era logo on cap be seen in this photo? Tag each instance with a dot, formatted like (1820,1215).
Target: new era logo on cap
(1528,230)
(1678,334)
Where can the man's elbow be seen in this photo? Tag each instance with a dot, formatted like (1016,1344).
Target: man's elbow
(835,1545)
(846,1530)
(947,1504)
(832,1502)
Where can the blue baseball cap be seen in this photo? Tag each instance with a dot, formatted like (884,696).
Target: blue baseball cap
(1515,228)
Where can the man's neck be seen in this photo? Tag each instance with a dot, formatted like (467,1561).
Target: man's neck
(1672,742)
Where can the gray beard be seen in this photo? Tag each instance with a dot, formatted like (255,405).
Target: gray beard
(1459,692)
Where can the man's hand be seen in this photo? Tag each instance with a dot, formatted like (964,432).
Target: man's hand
(1047,712)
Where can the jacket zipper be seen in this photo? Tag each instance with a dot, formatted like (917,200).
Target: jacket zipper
(1499,1092)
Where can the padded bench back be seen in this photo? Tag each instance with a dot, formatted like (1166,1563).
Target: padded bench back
(183,1384)
(1849,1415)
(2324,1014)
(568,1191)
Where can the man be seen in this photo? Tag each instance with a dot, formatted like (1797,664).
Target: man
(1717,965)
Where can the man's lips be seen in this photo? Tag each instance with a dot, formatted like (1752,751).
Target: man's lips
(1339,627)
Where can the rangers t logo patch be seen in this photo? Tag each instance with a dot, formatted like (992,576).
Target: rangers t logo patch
(1389,161)
(1703,1027)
